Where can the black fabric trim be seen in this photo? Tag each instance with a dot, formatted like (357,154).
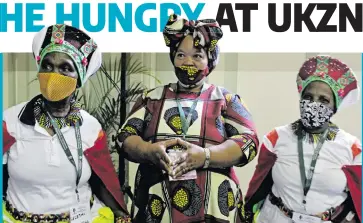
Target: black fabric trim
(26,115)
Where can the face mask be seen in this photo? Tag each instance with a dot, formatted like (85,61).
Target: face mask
(56,87)
(189,75)
(314,114)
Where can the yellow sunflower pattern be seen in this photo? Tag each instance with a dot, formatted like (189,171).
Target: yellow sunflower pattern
(181,199)
(172,118)
(155,209)
(187,198)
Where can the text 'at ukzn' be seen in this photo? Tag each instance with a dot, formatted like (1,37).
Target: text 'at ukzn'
(316,17)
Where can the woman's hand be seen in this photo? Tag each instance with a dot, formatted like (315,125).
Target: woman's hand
(156,154)
(193,158)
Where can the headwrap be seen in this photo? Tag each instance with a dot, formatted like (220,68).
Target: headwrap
(87,58)
(206,34)
(333,72)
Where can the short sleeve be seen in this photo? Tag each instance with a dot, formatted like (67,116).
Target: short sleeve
(240,127)
(134,125)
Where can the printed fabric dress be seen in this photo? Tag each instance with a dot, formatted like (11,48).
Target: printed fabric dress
(215,195)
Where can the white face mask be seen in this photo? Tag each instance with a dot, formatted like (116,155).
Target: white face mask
(314,114)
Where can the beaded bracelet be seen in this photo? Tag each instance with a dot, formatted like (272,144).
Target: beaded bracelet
(123,220)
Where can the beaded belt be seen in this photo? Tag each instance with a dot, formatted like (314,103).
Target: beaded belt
(37,218)
(277,201)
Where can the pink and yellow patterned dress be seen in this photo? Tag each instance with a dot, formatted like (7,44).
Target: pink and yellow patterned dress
(215,195)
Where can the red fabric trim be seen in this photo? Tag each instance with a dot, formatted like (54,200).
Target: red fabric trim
(266,160)
(8,140)
(211,111)
(273,137)
(356,149)
(100,161)
(353,173)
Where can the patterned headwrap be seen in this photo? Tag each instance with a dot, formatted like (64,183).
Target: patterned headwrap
(206,34)
(333,72)
(87,57)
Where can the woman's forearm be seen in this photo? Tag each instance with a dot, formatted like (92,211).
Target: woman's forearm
(136,149)
(226,154)
(110,202)
(101,192)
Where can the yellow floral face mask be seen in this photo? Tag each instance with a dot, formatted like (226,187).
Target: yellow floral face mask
(190,75)
(56,87)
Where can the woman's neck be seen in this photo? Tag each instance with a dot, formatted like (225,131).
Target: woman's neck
(195,89)
(318,130)
(58,109)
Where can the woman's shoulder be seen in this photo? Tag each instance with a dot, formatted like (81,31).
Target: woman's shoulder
(221,89)
(283,132)
(225,93)
(346,137)
(155,93)
(220,92)
(347,143)
(14,111)
(89,120)
(91,128)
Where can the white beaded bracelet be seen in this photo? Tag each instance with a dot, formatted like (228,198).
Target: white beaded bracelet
(207,158)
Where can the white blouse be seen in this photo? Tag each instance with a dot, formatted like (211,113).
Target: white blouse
(328,184)
(41,178)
